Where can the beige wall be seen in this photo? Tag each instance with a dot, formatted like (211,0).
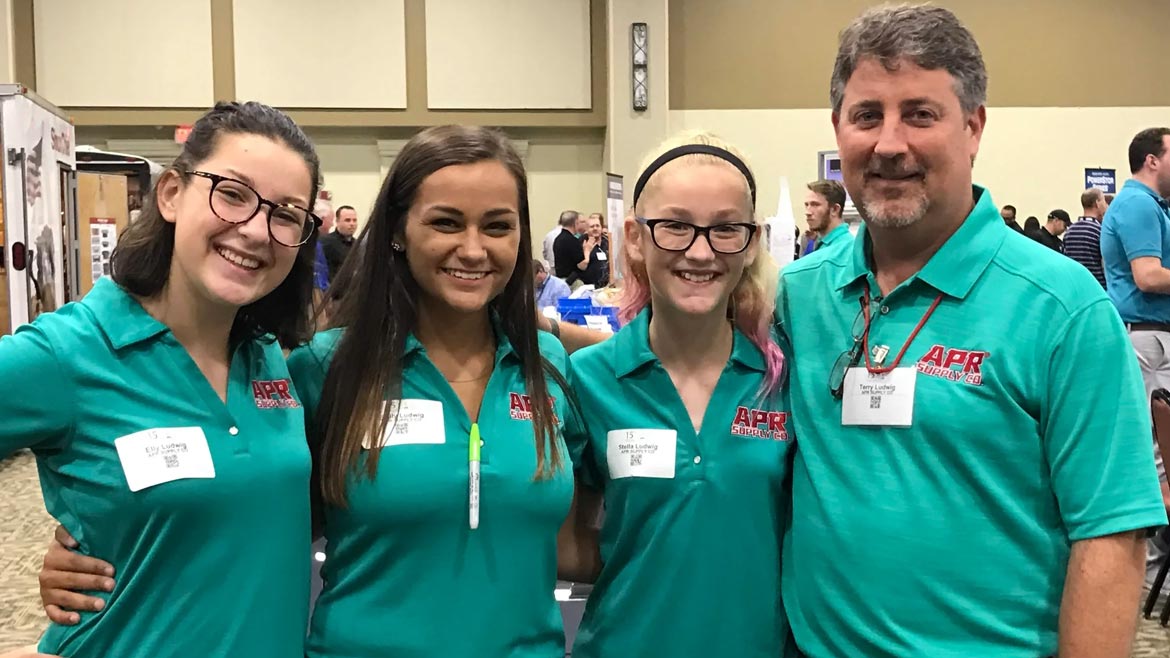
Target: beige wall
(7,60)
(124,53)
(1033,158)
(306,53)
(632,134)
(508,54)
(738,54)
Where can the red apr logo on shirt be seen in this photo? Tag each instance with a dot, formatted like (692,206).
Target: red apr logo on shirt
(273,394)
(760,424)
(954,364)
(520,406)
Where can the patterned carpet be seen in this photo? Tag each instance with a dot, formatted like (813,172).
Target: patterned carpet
(25,529)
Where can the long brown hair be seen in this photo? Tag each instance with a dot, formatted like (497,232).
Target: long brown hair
(380,309)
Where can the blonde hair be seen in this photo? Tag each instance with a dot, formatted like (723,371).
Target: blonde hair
(753,300)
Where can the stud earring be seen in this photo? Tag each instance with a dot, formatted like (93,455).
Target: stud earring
(397,247)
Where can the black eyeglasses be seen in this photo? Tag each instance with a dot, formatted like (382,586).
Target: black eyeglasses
(235,202)
(677,235)
(850,357)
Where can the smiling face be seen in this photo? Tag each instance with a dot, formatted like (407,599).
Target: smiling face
(462,235)
(906,145)
(697,281)
(232,264)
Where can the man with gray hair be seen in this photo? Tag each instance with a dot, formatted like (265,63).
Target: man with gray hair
(961,488)
(567,249)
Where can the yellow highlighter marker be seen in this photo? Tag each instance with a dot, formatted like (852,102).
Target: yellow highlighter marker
(473,477)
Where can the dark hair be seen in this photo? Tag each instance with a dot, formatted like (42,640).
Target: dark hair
(1031,224)
(1011,208)
(1146,143)
(380,310)
(337,212)
(931,37)
(141,263)
(833,192)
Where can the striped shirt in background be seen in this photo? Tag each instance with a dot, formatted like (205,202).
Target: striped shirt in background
(1082,243)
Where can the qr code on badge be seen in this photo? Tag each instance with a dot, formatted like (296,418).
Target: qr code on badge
(636,459)
(171,461)
(875,402)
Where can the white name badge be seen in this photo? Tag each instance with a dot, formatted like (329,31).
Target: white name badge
(412,422)
(879,400)
(601,256)
(166,454)
(641,453)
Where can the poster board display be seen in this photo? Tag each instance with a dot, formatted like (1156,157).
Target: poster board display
(615,220)
(103,214)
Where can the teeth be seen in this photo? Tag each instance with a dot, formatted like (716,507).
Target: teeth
(697,278)
(242,261)
(464,274)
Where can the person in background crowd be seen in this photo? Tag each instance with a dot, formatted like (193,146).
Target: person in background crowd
(823,205)
(549,288)
(1031,225)
(178,435)
(549,241)
(594,265)
(1082,241)
(965,482)
(1049,235)
(1008,213)
(1109,199)
(323,208)
(567,250)
(600,220)
(338,244)
(687,426)
(1135,243)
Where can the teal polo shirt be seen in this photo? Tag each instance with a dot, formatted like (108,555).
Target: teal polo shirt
(405,576)
(205,566)
(836,236)
(1030,431)
(1137,224)
(690,544)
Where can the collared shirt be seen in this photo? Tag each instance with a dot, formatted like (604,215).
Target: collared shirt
(1082,243)
(567,253)
(839,234)
(1136,225)
(596,274)
(692,549)
(82,387)
(553,290)
(337,248)
(405,575)
(952,537)
(1047,239)
(547,247)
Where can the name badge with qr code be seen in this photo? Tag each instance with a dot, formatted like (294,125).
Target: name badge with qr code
(412,422)
(640,453)
(885,400)
(153,457)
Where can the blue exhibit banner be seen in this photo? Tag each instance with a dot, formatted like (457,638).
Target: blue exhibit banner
(1102,179)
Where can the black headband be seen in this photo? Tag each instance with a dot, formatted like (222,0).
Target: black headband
(690,149)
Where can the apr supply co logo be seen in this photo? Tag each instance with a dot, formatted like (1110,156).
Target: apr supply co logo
(954,364)
(520,406)
(760,424)
(273,394)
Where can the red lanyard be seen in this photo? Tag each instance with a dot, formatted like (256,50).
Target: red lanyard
(901,353)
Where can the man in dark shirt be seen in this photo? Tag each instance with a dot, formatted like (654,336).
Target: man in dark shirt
(567,251)
(596,245)
(1049,234)
(1082,242)
(338,243)
(1008,213)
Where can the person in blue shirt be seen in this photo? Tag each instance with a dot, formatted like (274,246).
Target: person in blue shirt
(1135,244)
(549,288)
